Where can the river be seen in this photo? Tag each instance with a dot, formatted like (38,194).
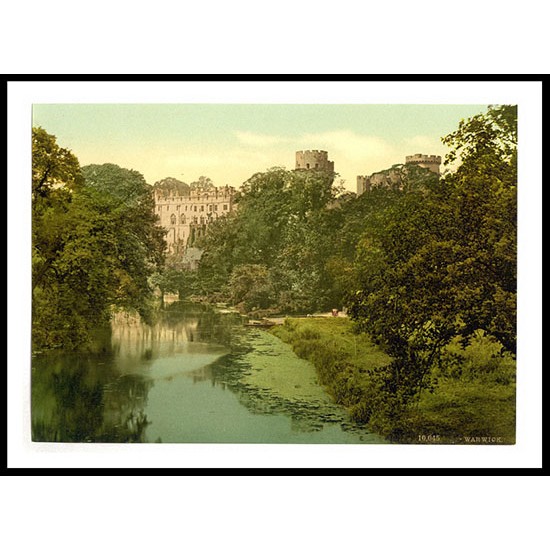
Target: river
(197,376)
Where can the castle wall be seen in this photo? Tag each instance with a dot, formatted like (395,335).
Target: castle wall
(393,177)
(363,184)
(189,215)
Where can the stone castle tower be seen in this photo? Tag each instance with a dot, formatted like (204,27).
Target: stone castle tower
(393,176)
(314,160)
(432,162)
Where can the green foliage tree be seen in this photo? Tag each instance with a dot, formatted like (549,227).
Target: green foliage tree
(276,226)
(202,184)
(53,168)
(439,260)
(250,286)
(126,204)
(95,243)
(167,186)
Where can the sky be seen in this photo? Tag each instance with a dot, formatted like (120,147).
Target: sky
(230,142)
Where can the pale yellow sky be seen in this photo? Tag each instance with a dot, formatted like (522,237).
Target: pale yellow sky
(229,143)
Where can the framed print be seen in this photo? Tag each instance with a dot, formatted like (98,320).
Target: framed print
(284,273)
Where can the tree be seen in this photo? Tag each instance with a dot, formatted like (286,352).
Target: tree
(95,243)
(439,260)
(55,175)
(58,316)
(202,184)
(168,186)
(278,226)
(53,167)
(128,207)
(484,192)
(251,287)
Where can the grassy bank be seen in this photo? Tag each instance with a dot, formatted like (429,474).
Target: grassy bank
(473,393)
(343,360)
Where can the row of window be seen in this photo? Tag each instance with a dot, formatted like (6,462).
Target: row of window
(183,220)
(211,207)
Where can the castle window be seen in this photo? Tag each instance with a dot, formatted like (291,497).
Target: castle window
(195,208)
(216,207)
(173,219)
(210,207)
(307,165)
(202,207)
(225,206)
(183,218)
(186,208)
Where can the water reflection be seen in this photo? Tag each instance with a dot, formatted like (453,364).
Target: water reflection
(102,397)
(168,383)
(84,398)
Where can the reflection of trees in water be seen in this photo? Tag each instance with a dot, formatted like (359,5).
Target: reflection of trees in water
(202,322)
(102,397)
(124,419)
(80,399)
(178,323)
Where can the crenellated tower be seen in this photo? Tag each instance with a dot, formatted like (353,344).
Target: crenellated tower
(314,160)
(432,162)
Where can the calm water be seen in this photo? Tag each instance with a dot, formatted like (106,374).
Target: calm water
(197,376)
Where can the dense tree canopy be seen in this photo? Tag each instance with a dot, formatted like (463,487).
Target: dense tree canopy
(95,243)
(440,260)
(202,184)
(276,235)
(126,205)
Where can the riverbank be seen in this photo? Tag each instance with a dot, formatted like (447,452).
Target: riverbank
(343,359)
(473,395)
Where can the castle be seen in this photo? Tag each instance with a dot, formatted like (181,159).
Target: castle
(185,213)
(393,177)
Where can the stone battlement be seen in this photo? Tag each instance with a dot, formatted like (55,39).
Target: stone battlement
(431,162)
(423,158)
(319,152)
(220,193)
